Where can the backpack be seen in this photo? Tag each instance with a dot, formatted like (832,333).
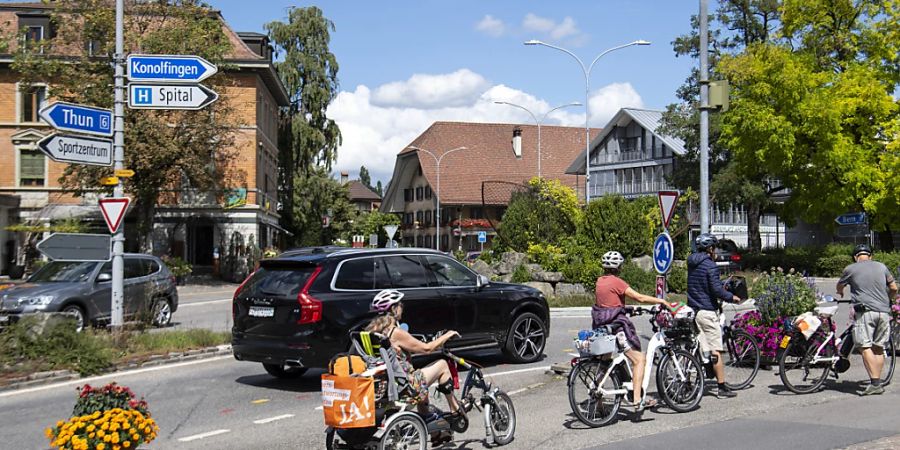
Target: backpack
(345,365)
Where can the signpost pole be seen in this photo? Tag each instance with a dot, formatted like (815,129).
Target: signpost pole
(118,161)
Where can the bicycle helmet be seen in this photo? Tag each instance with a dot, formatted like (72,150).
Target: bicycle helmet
(862,249)
(612,260)
(705,241)
(385,299)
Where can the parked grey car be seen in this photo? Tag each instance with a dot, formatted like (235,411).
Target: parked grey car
(83,289)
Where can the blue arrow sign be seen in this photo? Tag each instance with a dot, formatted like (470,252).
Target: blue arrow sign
(663,253)
(851,219)
(482,237)
(169,68)
(79,118)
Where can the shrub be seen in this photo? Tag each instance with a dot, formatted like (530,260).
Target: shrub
(549,256)
(59,346)
(891,260)
(676,280)
(583,270)
(613,222)
(547,212)
(178,266)
(832,266)
(779,295)
(639,279)
(521,274)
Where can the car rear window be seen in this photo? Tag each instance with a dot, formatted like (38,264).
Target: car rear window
(277,281)
(729,246)
(362,274)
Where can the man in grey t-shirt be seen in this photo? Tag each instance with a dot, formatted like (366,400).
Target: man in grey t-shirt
(871,289)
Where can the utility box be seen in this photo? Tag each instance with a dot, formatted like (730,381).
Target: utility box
(718,94)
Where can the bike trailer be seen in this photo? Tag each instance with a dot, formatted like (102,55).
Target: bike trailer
(595,342)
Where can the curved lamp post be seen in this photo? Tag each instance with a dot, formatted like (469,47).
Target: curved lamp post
(587,109)
(437,193)
(538,122)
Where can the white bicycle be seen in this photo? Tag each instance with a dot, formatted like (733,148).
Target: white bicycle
(598,382)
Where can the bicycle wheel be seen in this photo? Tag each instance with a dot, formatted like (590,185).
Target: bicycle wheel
(405,432)
(798,374)
(890,360)
(503,418)
(680,380)
(590,406)
(741,360)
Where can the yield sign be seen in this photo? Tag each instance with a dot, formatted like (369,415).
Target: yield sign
(113,210)
(667,200)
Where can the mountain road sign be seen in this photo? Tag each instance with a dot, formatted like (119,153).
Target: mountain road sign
(77,149)
(169,96)
(76,247)
(78,118)
(169,68)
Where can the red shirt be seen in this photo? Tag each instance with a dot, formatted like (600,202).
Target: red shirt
(610,291)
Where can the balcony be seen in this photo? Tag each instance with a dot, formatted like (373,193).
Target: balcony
(630,190)
(626,154)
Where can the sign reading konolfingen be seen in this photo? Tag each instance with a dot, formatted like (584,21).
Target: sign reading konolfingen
(77,149)
(169,68)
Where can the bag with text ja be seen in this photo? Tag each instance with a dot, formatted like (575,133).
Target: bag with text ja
(348,402)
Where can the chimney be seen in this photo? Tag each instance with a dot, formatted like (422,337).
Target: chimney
(517,142)
(345,176)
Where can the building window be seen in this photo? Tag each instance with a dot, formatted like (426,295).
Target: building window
(428,218)
(420,217)
(31,168)
(407,195)
(427,192)
(420,193)
(35,28)
(476,213)
(30,101)
(94,47)
(408,219)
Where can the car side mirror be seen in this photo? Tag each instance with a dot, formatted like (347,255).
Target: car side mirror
(482,281)
(104,277)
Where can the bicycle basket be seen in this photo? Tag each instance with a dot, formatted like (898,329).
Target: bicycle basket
(596,342)
(680,328)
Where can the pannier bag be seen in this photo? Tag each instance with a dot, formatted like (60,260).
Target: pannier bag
(595,342)
(348,401)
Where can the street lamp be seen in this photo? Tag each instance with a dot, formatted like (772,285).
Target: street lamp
(587,108)
(538,122)
(437,193)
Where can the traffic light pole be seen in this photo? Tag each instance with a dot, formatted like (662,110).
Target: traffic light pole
(118,263)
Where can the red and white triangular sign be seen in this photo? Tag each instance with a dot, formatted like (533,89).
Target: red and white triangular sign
(113,210)
(667,201)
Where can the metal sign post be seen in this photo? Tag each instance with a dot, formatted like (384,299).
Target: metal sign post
(118,264)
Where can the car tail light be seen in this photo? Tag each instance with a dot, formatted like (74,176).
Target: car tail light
(236,292)
(310,307)
(736,258)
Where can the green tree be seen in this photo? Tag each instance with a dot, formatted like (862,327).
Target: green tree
(379,189)
(308,139)
(319,195)
(547,212)
(168,150)
(373,222)
(365,178)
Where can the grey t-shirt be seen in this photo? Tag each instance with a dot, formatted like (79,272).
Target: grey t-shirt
(868,281)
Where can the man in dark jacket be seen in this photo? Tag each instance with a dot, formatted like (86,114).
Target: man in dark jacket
(705,291)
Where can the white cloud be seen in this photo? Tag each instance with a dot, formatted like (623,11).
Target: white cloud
(431,91)
(609,99)
(566,28)
(374,132)
(491,26)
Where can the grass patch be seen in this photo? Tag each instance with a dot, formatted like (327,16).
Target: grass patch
(26,347)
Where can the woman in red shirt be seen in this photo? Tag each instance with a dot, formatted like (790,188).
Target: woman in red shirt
(609,310)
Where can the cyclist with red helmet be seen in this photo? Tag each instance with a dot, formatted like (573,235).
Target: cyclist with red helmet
(609,309)
(387,302)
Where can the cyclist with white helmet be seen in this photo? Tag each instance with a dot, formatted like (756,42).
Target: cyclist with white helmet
(387,323)
(609,309)
(704,292)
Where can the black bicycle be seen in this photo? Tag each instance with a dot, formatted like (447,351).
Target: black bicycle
(805,363)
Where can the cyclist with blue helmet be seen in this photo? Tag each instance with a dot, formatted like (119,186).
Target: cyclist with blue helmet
(705,292)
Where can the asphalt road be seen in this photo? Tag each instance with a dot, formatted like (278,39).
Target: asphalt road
(226,404)
(204,307)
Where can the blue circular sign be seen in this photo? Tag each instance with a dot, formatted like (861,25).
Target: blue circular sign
(663,253)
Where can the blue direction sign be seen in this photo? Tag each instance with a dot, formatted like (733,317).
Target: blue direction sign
(169,68)
(663,253)
(851,219)
(78,118)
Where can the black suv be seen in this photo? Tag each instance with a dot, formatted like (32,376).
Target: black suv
(296,310)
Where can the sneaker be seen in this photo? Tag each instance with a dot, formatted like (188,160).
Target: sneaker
(724,392)
(873,390)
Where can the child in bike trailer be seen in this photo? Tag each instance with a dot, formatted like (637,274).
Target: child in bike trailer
(609,309)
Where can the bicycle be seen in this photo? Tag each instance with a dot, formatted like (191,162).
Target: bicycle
(804,363)
(741,353)
(607,377)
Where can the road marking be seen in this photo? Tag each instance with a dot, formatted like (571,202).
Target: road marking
(88,380)
(513,372)
(567,350)
(272,419)
(526,388)
(260,401)
(203,435)
(230,291)
(211,302)
(318,408)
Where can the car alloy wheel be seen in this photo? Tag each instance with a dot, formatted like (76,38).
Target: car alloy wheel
(527,339)
(78,314)
(162,312)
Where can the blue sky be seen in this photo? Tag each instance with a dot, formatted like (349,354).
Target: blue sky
(405,64)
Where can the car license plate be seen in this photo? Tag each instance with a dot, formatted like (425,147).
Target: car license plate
(784,341)
(262,311)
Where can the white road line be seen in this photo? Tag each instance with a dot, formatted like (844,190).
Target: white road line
(203,435)
(318,408)
(272,419)
(190,294)
(210,302)
(526,388)
(112,375)
(513,372)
